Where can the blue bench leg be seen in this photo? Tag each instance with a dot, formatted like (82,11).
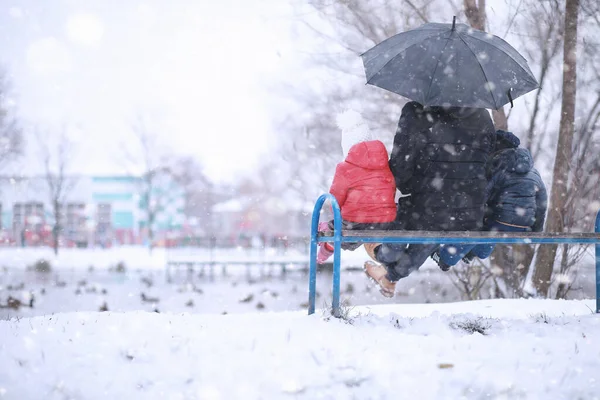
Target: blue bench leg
(598,278)
(312,281)
(337,254)
(336,279)
(597,230)
(337,250)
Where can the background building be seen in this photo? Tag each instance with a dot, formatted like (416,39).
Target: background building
(100,210)
(267,220)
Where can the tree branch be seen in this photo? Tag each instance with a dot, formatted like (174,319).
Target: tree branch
(418,11)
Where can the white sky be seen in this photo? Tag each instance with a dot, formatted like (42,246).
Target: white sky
(199,69)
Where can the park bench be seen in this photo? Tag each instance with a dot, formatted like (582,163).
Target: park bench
(339,236)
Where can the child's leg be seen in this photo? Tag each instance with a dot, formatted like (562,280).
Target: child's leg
(408,259)
(349,226)
(324,226)
(325,249)
(351,246)
(482,251)
(451,254)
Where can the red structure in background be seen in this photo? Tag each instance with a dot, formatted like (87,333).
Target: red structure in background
(124,236)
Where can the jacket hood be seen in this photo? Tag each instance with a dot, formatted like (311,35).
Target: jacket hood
(370,155)
(512,160)
(354,129)
(455,112)
(506,140)
(462,112)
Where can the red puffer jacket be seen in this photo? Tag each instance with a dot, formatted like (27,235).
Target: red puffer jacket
(364,186)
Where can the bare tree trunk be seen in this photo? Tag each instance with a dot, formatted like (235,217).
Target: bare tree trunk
(523,257)
(59,184)
(151,212)
(545,261)
(498,261)
(56,229)
(150,233)
(500,119)
(475,13)
(563,287)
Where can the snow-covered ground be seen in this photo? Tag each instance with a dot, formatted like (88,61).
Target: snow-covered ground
(242,332)
(498,349)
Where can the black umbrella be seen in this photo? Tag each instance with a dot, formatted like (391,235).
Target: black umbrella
(449,65)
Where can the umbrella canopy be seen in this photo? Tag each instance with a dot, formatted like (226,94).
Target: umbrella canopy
(449,65)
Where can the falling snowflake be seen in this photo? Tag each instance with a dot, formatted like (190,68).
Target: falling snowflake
(451,250)
(563,278)
(437,183)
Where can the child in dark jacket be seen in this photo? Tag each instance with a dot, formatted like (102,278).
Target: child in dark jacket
(517,200)
(363,184)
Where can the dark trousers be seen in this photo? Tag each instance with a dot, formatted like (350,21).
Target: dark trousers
(451,254)
(401,260)
(360,226)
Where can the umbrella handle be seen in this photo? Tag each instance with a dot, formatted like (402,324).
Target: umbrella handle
(509,93)
(453,22)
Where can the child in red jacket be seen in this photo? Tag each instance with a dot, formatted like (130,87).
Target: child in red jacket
(363,184)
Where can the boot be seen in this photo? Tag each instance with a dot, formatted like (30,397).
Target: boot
(468,258)
(323,226)
(371,249)
(377,273)
(325,251)
(436,257)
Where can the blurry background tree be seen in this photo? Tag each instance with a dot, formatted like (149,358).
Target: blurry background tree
(152,159)
(11,136)
(57,151)
(201,194)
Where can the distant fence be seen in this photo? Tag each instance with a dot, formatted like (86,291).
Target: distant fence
(279,242)
(210,253)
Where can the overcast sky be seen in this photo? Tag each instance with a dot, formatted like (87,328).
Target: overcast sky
(199,70)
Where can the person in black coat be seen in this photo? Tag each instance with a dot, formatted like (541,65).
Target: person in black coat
(439,158)
(517,199)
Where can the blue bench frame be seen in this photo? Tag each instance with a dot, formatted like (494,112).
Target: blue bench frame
(338,237)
